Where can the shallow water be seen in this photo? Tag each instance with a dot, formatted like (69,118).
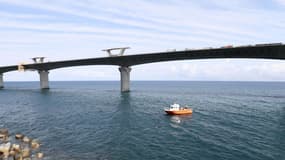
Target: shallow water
(93,120)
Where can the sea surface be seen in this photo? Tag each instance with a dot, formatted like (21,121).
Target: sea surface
(94,120)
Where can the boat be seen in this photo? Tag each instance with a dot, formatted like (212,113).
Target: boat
(176,109)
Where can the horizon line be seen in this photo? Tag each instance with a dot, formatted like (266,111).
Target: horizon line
(280,81)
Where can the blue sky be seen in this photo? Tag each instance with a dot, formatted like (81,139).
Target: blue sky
(72,29)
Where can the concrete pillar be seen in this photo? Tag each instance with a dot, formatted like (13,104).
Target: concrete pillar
(44,79)
(1,81)
(125,78)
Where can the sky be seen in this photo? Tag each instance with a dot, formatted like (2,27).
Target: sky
(73,29)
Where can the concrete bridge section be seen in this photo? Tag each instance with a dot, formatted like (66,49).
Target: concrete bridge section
(266,51)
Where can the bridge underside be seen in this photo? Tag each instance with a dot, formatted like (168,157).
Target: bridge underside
(44,79)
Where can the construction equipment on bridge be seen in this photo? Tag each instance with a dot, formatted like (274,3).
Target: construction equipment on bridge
(38,59)
(171,50)
(227,46)
(122,50)
(21,67)
(268,44)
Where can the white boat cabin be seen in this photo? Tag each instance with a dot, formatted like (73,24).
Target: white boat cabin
(174,107)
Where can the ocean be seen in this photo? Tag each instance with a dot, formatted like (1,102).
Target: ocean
(94,120)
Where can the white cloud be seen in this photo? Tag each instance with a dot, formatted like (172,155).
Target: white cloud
(80,29)
(163,18)
(282,2)
(233,70)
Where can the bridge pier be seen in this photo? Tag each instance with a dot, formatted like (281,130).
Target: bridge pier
(44,82)
(125,78)
(1,81)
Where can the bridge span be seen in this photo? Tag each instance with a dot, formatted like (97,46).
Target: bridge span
(266,51)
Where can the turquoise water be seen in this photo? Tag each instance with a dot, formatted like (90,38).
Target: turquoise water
(93,120)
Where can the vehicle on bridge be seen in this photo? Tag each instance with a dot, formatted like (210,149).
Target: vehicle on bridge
(268,44)
(227,46)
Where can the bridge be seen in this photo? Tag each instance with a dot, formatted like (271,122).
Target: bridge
(261,51)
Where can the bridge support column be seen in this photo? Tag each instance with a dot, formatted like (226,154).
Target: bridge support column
(44,79)
(125,78)
(1,81)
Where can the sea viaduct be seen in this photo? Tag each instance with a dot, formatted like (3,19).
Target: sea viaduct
(261,51)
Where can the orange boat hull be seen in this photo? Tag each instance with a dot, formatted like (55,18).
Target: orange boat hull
(180,112)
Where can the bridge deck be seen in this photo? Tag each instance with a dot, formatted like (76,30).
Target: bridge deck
(263,52)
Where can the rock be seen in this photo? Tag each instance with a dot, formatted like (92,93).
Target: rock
(3,132)
(19,136)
